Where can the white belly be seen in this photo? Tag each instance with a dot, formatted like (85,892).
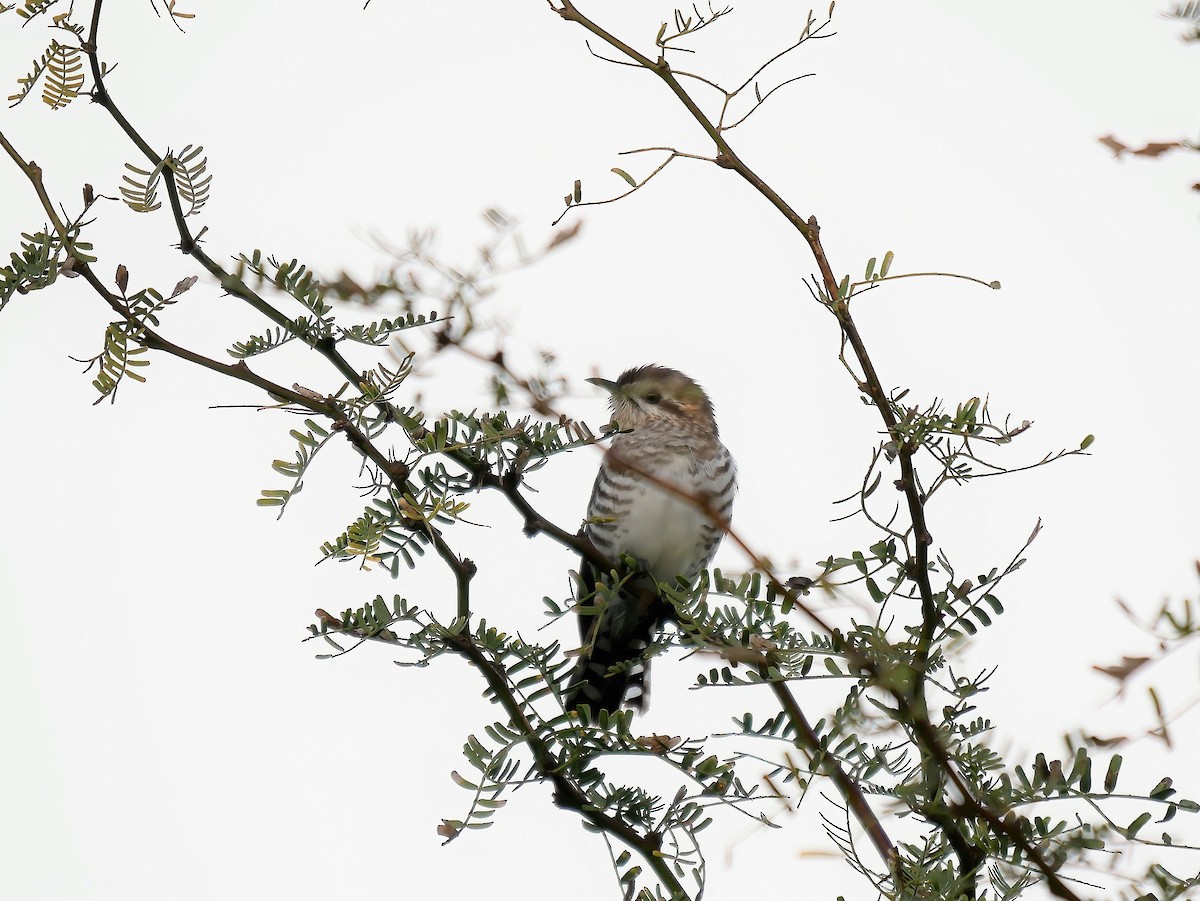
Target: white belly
(660,529)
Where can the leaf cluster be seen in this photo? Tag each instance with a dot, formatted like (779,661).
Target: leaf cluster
(59,68)
(35,265)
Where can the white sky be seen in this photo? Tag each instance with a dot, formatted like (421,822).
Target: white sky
(168,734)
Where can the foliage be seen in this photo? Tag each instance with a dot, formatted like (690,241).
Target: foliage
(60,68)
(35,265)
(924,804)
(124,351)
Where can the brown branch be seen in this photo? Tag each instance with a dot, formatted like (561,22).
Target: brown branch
(566,794)
(809,740)
(912,703)
(809,229)
(534,522)
(397,473)
(148,336)
(463,569)
(850,790)
(637,186)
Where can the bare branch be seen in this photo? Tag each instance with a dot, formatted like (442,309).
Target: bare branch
(637,186)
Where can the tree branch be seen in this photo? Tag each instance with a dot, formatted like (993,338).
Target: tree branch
(912,703)
(850,791)
(566,795)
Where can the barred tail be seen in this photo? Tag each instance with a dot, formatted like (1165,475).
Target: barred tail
(615,670)
(613,674)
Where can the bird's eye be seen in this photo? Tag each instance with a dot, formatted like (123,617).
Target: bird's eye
(653,397)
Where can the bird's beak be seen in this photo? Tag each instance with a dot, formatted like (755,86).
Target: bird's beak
(609,386)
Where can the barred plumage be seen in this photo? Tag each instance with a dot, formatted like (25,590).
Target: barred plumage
(673,441)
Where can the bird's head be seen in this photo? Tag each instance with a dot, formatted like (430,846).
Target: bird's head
(652,394)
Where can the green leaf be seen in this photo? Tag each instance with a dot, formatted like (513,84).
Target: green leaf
(874,590)
(1163,790)
(1081,769)
(37,266)
(625,175)
(28,81)
(1137,824)
(64,75)
(1110,777)
(189,169)
(141,193)
(379,333)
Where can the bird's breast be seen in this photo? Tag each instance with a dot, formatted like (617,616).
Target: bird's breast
(633,515)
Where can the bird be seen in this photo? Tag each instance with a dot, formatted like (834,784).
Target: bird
(663,496)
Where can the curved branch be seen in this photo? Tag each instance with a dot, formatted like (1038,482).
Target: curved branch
(912,704)
(850,791)
(637,186)
(759,101)
(566,794)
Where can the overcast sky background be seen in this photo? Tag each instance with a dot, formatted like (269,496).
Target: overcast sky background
(169,736)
